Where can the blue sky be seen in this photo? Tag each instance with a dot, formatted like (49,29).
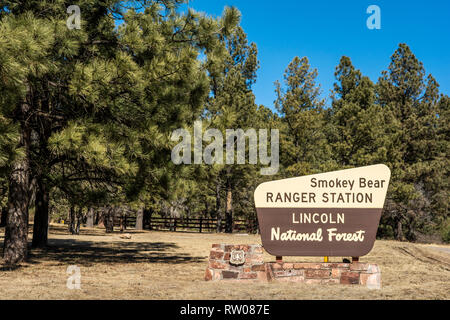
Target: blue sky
(326,30)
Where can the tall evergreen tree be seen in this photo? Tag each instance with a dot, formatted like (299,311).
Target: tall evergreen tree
(232,70)
(415,156)
(94,107)
(357,126)
(304,147)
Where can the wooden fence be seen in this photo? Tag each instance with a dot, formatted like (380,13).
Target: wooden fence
(186,224)
(199,225)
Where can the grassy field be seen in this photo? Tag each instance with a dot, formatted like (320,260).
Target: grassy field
(167,265)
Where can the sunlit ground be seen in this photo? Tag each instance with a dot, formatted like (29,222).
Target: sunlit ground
(167,265)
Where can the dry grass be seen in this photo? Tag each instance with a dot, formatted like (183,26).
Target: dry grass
(166,265)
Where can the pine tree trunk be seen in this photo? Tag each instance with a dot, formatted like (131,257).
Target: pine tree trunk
(40,227)
(229,209)
(42,198)
(72,220)
(79,219)
(16,230)
(3,216)
(207,212)
(101,217)
(96,217)
(90,218)
(218,211)
(109,220)
(147,219)
(140,219)
(122,220)
(399,230)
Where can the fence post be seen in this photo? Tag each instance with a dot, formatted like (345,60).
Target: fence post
(174,224)
(201,220)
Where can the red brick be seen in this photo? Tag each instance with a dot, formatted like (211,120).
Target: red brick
(228,248)
(247,269)
(217,275)
(363,278)
(317,274)
(289,273)
(235,268)
(230,274)
(217,245)
(371,280)
(245,248)
(269,271)
(216,254)
(288,266)
(335,273)
(339,265)
(306,265)
(349,277)
(359,266)
(281,273)
(258,267)
(231,247)
(251,275)
(226,256)
(213,264)
(254,260)
(208,274)
(276,266)
(258,249)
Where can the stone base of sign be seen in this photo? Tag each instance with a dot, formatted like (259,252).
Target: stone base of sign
(365,274)
(220,267)
(254,269)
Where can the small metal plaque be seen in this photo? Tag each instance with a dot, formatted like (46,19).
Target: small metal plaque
(237,257)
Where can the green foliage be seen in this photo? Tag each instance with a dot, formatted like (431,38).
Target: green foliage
(304,146)
(101,103)
(418,158)
(445,231)
(357,131)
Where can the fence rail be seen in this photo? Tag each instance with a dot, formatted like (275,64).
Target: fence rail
(186,224)
(199,225)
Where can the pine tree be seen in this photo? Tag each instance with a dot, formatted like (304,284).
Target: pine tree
(357,125)
(94,107)
(304,146)
(415,157)
(25,41)
(232,70)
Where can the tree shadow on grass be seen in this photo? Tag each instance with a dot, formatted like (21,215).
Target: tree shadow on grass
(87,253)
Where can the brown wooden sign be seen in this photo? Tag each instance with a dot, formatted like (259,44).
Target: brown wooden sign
(329,214)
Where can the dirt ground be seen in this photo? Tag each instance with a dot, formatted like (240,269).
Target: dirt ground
(167,265)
